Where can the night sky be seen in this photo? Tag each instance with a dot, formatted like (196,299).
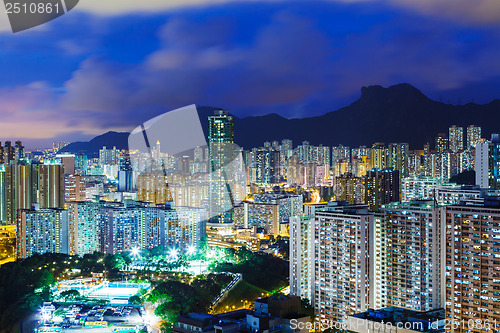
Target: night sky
(102,67)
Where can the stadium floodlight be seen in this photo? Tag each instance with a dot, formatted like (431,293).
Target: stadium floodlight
(173,253)
(135,251)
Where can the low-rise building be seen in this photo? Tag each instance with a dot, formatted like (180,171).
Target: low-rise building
(397,320)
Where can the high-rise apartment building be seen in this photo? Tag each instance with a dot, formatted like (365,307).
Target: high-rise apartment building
(381,187)
(261,215)
(350,189)
(420,188)
(42,231)
(8,153)
(302,256)
(267,166)
(341,154)
(112,227)
(51,185)
(21,189)
(19,152)
(153,188)
(81,163)
(75,188)
(341,283)
(443,165)
(472,267)
(473,135)
(109,156)
(488,163)
(288,204)
(221,154)
(397,158)
(441,144)
(379,156)
(68,160)
(456,138)
(453,194)
(120,229)
(184,226)
(3,196)
(84,225)
(412,249)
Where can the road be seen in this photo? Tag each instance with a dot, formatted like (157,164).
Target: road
(236,278)
(30,323)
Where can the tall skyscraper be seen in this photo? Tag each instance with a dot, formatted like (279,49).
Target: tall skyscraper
(488,163)
(456,138)
(472,270)
(473,135)
(221,153)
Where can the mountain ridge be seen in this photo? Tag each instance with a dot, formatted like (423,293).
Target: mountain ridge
(399,113)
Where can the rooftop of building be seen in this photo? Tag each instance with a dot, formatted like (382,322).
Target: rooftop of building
(345,208)
(395,315)
(414,204)
(486,202)
(277,297)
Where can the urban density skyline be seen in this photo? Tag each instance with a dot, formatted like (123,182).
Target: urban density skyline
(366,228)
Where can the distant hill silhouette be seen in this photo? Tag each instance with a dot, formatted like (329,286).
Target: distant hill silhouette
(91,148)
(400,113)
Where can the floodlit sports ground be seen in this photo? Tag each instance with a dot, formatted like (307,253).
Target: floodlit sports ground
(115,292)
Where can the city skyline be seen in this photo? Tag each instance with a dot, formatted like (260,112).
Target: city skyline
(250,166)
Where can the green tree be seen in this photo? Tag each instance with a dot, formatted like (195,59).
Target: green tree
(70,295)
(46,280)
(135,299)
(202,248)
